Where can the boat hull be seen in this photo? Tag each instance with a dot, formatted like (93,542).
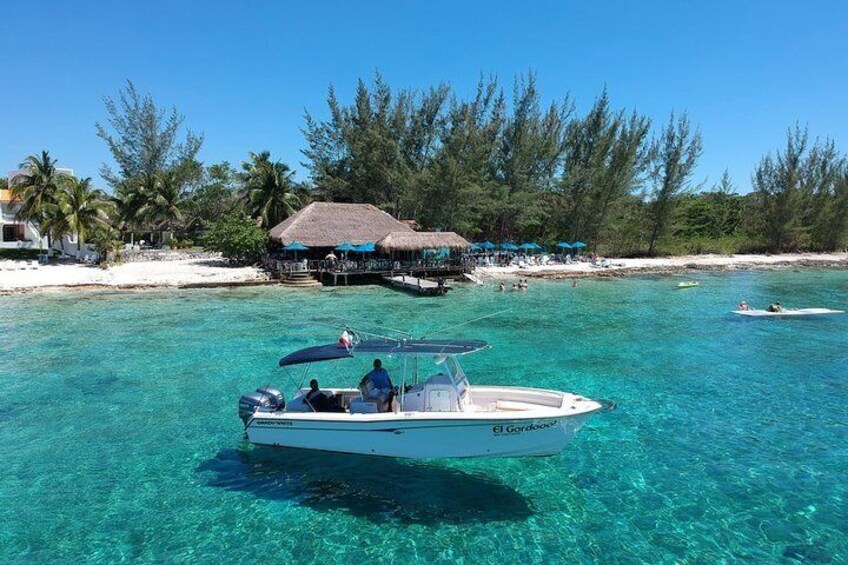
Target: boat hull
(407,436)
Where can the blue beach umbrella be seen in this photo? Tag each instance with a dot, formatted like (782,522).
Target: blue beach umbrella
(578,244)
(532,246)
(488,245)
(509,246)
(563,245)
(295,246)
(475,247)
(346,246)
(367,247)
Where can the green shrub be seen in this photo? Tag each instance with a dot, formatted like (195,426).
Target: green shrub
(237,238)
(106,240)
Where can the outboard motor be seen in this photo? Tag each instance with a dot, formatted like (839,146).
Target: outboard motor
(277,398)
(266,398)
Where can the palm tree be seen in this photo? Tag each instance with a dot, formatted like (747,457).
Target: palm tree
(269,189)
(37,189)
(54,224)
(161,198)
(128,200)
(84,208)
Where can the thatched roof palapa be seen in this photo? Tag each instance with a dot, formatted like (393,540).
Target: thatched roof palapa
(418,241)
(328,224)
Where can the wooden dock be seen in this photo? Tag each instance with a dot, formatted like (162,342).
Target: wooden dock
(417,285)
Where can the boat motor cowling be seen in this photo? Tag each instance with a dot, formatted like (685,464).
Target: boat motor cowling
(267,398)
(277,399)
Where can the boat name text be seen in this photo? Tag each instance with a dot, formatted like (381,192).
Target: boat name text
(512,429)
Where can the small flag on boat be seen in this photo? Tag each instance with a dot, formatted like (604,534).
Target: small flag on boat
(345,339)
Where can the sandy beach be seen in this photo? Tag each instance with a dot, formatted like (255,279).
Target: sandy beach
(136,275)
(668,265)
(206,272)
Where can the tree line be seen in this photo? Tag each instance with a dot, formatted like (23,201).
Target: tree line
(157,186)
(493,167)
(487,166)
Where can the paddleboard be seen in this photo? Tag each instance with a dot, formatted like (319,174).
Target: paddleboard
(788,313)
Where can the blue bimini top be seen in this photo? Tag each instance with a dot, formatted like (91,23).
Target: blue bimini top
(421,347)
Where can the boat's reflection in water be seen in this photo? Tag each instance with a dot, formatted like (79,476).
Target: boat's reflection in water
(377,489)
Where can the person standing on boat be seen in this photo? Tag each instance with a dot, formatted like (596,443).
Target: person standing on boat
(381,388)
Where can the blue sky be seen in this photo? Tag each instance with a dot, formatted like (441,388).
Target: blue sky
(243,75)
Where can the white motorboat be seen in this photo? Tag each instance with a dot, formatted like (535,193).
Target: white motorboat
(787,312)
(442,416)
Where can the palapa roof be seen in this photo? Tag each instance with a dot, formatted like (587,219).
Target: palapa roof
(417,241)
(328,224)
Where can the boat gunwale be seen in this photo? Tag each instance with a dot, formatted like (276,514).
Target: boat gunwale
(542,412)
(380,417)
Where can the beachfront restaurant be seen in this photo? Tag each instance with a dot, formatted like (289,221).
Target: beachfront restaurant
(339,243)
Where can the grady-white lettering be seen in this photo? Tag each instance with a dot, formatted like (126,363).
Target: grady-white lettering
(271,423)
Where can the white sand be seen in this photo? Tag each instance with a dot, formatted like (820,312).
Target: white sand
(670,264)
(211,272)
(128,275)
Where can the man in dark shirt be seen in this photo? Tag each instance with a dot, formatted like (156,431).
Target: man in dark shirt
(315,398)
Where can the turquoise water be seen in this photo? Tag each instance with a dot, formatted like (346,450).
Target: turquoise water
(120,439)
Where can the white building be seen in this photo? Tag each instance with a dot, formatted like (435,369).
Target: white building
(17,234)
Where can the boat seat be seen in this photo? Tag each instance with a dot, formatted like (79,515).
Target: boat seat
(363,407)
(513,406)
